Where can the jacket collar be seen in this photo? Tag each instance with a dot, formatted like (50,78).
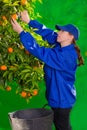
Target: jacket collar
(71,46)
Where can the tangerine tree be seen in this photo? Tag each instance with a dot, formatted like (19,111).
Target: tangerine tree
(16,63)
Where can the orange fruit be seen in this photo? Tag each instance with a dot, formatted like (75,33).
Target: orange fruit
(27,52)
(8,88)
(10,49)
(0,22)
(35,92)
(23,2)
(14,16)
(3,67)
(28,94)
(23,94)
(4,17)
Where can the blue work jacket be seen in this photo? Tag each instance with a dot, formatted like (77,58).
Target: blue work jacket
(60,65)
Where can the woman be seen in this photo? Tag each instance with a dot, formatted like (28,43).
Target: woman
(60,65)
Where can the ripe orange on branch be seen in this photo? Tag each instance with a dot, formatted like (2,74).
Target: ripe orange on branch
(14,16)
(27,52)
(28,94)
(0,22)
(23,94)
(35,92)
(10,49)
(23,2)
(4,17)
(3,67)
(8,88)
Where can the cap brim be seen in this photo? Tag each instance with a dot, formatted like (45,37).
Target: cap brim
(64,28)
(57,27)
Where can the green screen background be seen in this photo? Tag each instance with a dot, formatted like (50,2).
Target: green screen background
(55,12)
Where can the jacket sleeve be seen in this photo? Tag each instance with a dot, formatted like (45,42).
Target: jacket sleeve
(47,34)
(47,55)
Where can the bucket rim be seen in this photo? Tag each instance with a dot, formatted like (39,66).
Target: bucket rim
(51,114)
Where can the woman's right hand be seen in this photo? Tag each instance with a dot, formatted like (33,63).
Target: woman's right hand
(25,17)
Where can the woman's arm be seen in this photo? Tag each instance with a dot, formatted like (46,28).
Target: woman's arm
(48,55)
(47,34)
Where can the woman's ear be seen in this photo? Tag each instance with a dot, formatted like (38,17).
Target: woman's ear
(71,37)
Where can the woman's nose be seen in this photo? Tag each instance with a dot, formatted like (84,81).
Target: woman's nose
(59,33)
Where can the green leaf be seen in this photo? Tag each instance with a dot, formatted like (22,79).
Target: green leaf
(1,87)
(5,74)
(10,76)
(26,76)
(20,57)
(24,71)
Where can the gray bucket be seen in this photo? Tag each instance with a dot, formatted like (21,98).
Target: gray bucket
(31,119)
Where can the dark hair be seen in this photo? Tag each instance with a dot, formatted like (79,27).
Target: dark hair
(80,58)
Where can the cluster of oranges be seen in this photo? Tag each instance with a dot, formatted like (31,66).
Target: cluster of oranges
(5,20)
(13,16)
(4,67)
(25,94)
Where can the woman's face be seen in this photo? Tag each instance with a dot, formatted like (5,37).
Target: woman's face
(64,36)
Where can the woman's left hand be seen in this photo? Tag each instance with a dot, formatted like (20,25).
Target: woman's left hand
(16,27)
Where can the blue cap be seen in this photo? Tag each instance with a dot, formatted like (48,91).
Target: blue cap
(71,29)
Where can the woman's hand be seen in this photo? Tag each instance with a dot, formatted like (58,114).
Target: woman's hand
(25,17)
(16,27)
